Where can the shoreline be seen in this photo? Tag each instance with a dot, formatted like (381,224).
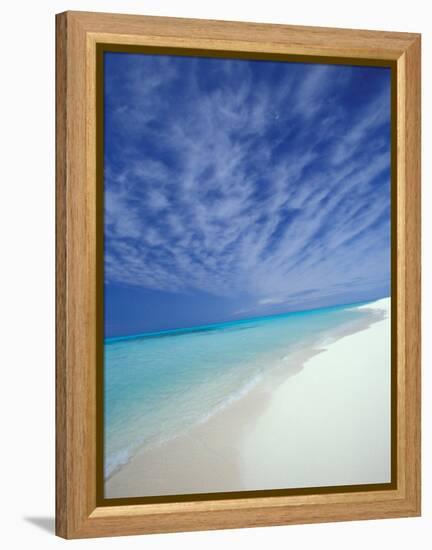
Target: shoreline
(229,451)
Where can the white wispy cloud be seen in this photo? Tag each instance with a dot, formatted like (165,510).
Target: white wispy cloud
(266,186)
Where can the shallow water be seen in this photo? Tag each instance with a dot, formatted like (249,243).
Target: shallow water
(158,385)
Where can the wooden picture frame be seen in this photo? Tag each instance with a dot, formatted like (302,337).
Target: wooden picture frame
(79,512)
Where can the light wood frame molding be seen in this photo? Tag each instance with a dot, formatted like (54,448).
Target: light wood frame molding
(78,34)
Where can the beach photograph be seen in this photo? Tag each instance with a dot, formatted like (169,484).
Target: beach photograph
(247,275)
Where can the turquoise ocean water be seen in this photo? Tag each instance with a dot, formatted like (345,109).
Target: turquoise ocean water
(158,385)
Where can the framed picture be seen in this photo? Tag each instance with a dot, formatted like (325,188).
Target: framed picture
(238,274)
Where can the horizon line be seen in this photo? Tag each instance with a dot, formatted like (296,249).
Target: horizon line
(193,328)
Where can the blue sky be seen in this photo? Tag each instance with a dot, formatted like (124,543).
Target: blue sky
(237,188)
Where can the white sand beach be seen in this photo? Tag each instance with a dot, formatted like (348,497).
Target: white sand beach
(324,420)
(330,424)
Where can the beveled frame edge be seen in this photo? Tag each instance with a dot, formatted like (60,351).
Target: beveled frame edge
(77,34)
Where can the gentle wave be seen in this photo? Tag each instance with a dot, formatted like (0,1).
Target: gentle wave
(113,463)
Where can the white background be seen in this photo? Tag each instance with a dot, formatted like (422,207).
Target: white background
(27,271)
